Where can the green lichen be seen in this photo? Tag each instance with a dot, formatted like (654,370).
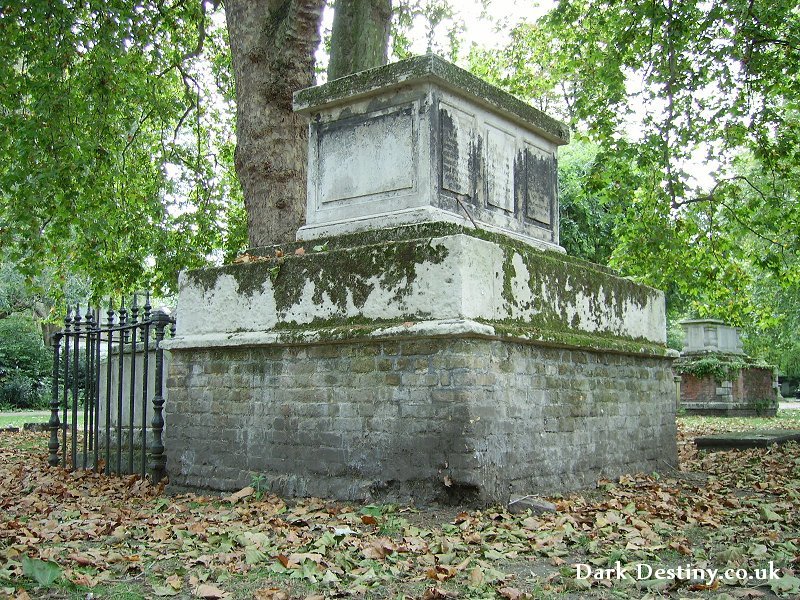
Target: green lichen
(341,274)
(564,338)
(347,269)
(250,278)
(549,271)
(426,68)
(352,274)
(355,323)
(350,330)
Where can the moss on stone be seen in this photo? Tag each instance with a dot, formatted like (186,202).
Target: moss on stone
(340,273)
(549,271)
(577,340)
(345,270)
(354,329)
(350,275)
(424,68)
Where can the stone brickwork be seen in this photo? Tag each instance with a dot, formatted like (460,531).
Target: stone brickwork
(448,419)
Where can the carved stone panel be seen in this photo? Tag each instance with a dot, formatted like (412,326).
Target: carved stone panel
(353,152)
(541,185)
(500,152)
(457,136)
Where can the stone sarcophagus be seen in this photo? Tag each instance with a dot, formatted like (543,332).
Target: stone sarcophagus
(425,337)
(424,141)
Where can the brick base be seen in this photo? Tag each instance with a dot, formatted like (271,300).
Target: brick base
(751,393)
(443,419)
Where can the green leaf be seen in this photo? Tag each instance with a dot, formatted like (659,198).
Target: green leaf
(43,572)
(165,590)
(788,585)
(372,510)
(253,555)
(768,514)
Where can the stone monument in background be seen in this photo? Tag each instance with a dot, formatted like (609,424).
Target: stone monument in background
(718,378)
(426,337)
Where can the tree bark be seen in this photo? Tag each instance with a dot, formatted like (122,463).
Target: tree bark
(272,50)
(360,35)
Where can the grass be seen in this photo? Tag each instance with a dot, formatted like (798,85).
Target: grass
(785,419)
(19,418)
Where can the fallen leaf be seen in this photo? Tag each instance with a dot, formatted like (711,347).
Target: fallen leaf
(175,582)
(441,572)
(788,584)
(210,592)
(82,559)
(435,593)
(83,579)
(513,593)
(43,573)
(163,591)
(300,251)
(476,576)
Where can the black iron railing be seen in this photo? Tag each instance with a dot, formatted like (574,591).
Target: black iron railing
(104,375)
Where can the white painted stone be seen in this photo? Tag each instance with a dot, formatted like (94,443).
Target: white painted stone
(221,309)
(466,286)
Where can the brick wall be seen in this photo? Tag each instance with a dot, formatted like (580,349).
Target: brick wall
(454,420)
(750,393)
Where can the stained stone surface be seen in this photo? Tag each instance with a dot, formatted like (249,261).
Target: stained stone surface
(428,280)
(710,335)
(433,342)
(747,439)
(424,141)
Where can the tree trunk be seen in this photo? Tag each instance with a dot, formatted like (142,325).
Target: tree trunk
(272,51)
(359,37)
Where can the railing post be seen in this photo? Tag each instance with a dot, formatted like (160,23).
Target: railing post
(109,353)
(145,378)
(63,407)
(88,379)
(54,423)
(157,459)
(123,338)
(134,322)
(76,346)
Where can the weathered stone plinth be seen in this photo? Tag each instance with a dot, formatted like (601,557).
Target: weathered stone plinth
(431,362)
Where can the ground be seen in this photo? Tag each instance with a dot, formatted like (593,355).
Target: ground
(84,535)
